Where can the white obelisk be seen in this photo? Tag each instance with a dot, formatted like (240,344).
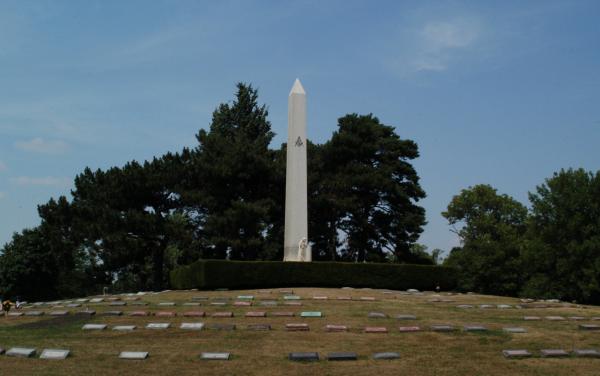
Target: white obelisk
(295,244)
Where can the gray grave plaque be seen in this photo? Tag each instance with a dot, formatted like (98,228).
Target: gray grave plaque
(158,325)
(113,313)
(215,356)
(475,328)
(486,306)
(589,327)
(405,317)
(94,327)
(442,328)
(464,306)
(291,297)
(166,304)
(20,352)
(587,353)
(74,305)
(516,353)
(96,300)
(54,354)
(377,315)
(87,312)
(133,355)
(531,318)
(194,304)
(192,325)
(553,353)
(304,356)
(555,318)
(58,313)
(245,297)
(341,356)
(336,328)
(123,328)
(386,355)
(515,330)
(34,313)
(504,306)
(118,304)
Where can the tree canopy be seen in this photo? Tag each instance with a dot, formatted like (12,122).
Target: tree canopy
(126,227)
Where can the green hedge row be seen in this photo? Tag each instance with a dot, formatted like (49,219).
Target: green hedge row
(210,274)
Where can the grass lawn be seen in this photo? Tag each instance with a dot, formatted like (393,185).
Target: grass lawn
(176,352)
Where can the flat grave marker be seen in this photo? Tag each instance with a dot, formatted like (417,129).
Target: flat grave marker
(555,318)
(268,303)
(587,353)
(34,313)
(215,356)
(409,329)
(304,356)
(386,356)
(589,327)
(113,313)
(532,318)
(86,312)
(291,297)
(245,297)
(194,314)
(123,328)
(242,304)
(57,354)
(191,325)
(336,328)
(516,354)
(166,304)
(96,300)
(138,313)
(94,327)
(117,304)
(15,314)
(165,314)
(282,314)
(133,355)
(342,356)
(297,327)
(255,314)
(158,325)
(222,314)
(553,353)
(292,303)
(514,330)
(377,315)
(311,314)
(58,313)
(20,352)
(405,317)
(475,328)
(194,304)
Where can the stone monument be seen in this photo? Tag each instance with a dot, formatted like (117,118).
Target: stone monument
(296,246)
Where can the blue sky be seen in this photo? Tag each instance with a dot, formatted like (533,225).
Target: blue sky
(503,93)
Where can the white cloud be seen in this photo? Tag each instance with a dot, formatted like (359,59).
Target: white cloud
(442,42)
(39,145)
(44,181)
(435,45)
(3,166)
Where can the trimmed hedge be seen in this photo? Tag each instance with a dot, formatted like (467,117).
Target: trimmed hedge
(210,274)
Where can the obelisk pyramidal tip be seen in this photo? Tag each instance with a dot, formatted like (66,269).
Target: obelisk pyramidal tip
(296,247)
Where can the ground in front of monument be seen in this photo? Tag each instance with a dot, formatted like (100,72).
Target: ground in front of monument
(243,350)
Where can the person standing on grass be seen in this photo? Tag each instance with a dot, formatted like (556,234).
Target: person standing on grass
(6,306)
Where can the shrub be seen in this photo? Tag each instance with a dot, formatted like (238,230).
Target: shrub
(210,274)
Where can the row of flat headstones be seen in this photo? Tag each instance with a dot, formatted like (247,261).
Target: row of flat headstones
(297,327)
(297,356)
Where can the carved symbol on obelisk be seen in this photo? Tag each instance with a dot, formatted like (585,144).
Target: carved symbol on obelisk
(299,142)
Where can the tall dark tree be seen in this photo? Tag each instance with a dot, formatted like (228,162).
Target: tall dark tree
(371,189)
(491,229)
(126,218)
(563,248)
(232,180)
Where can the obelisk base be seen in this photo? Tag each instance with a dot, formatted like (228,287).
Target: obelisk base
(293,254)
